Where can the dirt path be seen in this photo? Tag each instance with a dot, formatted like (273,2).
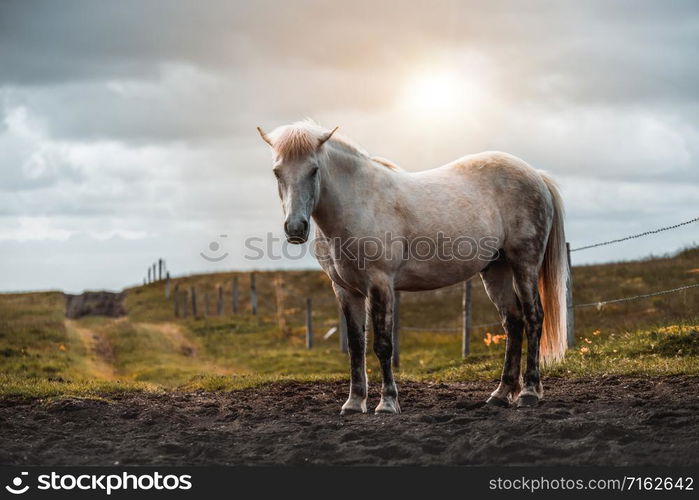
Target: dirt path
(100,357)
(615,420)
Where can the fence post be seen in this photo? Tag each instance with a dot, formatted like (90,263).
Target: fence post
(309,323)
(234,295)
(396,330)
(570,316)
(160,269)
(176,304)
(155,277)
(219,305)
(281,308)
(253,294)
(167,286)
(194,302)
(343,331)
(467,323)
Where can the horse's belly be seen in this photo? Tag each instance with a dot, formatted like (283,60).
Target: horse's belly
(415,275)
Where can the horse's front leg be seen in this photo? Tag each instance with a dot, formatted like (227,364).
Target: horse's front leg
(381,300)
(354,309)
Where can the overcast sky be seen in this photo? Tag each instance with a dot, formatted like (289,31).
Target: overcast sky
(127,129)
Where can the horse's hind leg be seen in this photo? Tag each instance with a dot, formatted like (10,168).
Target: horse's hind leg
(526,287)
(354,309)
(498,281)
(381,299)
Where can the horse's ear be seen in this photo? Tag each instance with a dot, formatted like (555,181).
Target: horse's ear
(265,137)
(326,137)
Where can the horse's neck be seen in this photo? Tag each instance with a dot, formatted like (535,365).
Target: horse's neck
(346,182)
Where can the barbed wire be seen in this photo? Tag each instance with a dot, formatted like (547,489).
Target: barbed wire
(598,304)
(601,303)
(646,233)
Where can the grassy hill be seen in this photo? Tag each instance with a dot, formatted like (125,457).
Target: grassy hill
(44,354)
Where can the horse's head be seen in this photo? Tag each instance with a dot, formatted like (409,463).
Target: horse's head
(296,167)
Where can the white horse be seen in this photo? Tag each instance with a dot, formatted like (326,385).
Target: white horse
(381,229)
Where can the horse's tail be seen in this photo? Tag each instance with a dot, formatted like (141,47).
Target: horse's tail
(552,283)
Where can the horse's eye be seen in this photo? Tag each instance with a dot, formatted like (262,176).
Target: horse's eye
(276,173)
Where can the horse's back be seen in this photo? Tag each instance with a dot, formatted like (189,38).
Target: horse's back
(486,179)
(494,193)
(488,166)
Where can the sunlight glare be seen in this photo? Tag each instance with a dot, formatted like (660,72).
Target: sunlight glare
(439,92)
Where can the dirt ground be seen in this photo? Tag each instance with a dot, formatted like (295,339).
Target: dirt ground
(614,420)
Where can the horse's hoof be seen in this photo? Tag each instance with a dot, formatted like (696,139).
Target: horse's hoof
(353,406)
(351,411)
(500,403)
(527,401)
(390,407)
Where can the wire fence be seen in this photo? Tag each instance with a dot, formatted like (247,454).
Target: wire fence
(634,236)
(599,304)
(602,303)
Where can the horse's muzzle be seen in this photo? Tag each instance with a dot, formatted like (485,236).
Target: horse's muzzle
(296,231)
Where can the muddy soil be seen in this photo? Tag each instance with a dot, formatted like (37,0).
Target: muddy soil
(612,420)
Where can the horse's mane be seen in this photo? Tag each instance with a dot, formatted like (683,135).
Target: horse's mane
(301,139)
(386,163)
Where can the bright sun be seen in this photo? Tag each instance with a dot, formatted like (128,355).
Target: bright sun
(435,92)
(438,92)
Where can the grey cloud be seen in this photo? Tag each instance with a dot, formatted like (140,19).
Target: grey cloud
(269,60)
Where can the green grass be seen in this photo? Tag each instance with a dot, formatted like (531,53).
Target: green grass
(43,355)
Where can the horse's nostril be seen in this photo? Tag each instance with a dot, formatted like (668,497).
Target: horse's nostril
(296,227)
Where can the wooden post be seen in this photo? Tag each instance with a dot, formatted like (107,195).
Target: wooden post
(154,275)
(177,305)
(342,326)
(570,316)
(167,286)
(396,330)
(219,305)
(309,323)
(281,307)
(234,295)
(160,269)
(467,323)
(194,302)
(253,294)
